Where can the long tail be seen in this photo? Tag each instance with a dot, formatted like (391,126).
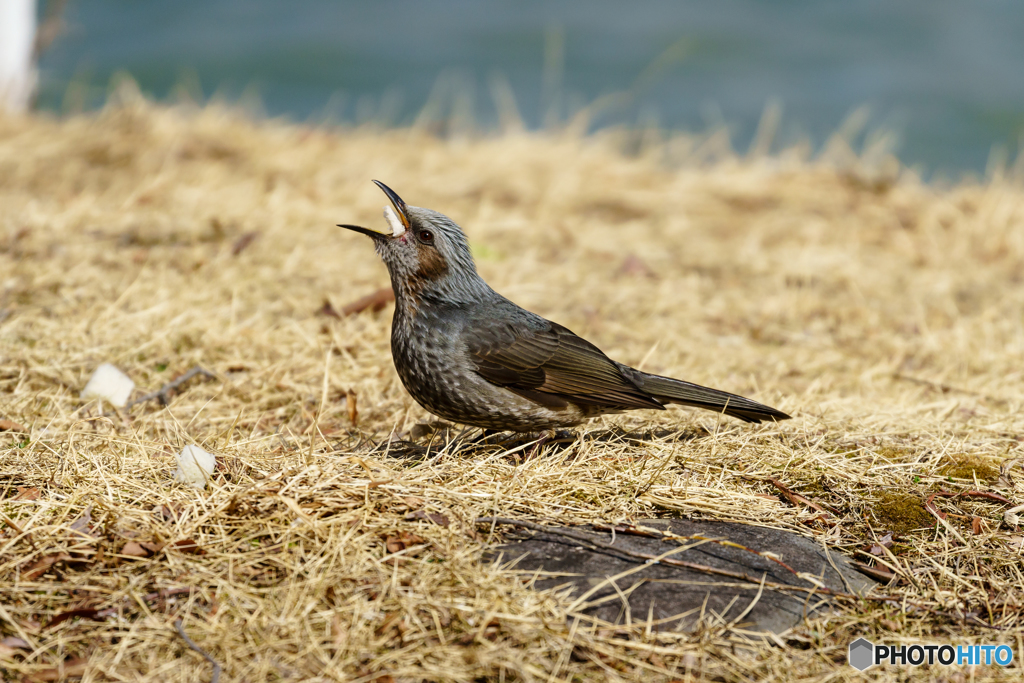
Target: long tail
(668,390)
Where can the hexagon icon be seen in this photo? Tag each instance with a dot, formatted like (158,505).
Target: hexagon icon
(862,654)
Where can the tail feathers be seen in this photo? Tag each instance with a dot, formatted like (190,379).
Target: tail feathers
(669,390)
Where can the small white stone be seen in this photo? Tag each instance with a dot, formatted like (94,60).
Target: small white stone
(195,466)
(110,384)
(397,226)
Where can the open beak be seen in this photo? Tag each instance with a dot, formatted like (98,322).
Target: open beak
(397,218)
(397,202)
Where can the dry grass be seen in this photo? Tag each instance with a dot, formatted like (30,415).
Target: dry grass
(885,314)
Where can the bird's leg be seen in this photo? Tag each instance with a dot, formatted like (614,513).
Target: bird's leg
(545,437)
(484,435)
(478,440)
(460,440)
(565,436)
(550,436)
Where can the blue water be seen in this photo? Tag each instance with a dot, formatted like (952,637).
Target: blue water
(947,77)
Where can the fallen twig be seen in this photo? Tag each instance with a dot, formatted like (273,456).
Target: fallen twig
(374,302)
(930,506)
(795,498)
(81,612)
(188,641)
(975,494)
(874,572)
(164,392)
(98,614)
(940,516)
(11,426)
(25,534)
(328,310)
(244,241)
(821,517)
(946,388)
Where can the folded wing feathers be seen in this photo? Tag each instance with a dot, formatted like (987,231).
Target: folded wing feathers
(555,361)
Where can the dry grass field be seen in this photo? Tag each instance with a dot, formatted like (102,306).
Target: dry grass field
(337,540)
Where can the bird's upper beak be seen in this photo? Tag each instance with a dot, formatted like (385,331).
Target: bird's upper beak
(397,218)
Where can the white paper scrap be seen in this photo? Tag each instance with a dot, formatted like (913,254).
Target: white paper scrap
(195,466)
(397,226)
(110,384)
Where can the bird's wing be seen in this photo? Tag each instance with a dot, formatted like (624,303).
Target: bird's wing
(553,365)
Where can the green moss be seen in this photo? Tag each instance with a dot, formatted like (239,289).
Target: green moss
(814,488)
(969,467)
(846,451)
(897,453)
(902,513)
(186,342)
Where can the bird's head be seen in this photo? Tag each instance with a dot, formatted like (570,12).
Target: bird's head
(426,253)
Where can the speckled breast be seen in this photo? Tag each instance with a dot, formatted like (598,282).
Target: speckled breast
(433,366)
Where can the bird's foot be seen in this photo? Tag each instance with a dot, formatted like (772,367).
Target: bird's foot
(535,450)
(550,437)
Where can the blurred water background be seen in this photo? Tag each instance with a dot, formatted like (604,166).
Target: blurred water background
(945,77)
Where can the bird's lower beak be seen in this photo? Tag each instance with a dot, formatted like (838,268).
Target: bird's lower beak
(376,234)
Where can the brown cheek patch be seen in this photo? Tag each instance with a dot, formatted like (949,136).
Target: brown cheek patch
(432,264)
(432,267)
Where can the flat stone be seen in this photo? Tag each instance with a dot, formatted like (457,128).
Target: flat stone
(677,598)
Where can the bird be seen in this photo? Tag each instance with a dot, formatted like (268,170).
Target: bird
(469,355)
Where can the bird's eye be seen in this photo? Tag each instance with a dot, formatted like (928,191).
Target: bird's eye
(426,236)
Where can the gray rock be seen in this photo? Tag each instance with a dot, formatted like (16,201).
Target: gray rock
(678,597)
